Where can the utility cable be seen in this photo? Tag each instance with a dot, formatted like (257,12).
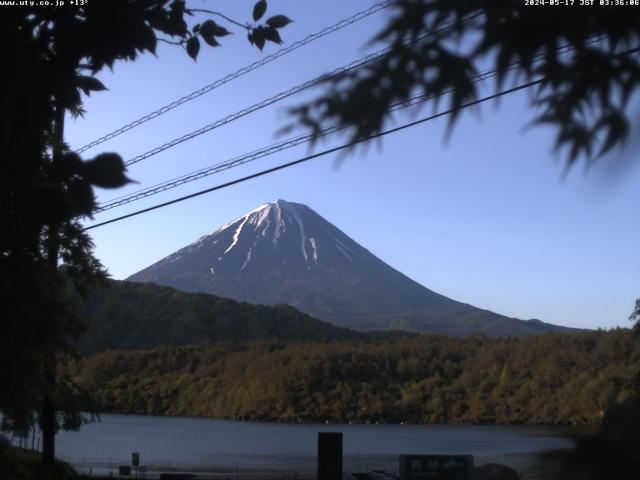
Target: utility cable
(239,73)
(256,154)
(336,73)
(253,108)
(284,145)
(320,154)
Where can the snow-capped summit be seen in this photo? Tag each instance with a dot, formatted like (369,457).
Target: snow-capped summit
(278,234)
(284,252)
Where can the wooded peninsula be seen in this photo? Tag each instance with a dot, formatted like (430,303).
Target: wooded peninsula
(546,379)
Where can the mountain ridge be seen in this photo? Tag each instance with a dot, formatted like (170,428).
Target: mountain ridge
(132,316)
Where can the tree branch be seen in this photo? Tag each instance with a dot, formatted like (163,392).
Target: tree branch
(211,12)
(170,42)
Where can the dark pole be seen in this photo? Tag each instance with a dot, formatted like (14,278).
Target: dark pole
(49,367)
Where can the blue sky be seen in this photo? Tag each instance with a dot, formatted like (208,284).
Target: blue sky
(485,218)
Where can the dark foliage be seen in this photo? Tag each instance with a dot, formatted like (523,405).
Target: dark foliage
(612,453)
(125,315)
(20,464)
(438,45)
(49,58)
(635,316)
(547,379)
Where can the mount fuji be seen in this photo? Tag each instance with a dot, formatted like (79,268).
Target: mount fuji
(285,253)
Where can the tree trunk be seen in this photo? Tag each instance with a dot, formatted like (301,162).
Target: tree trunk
(49,368)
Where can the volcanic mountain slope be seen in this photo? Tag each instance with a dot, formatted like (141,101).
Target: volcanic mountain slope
(284,252)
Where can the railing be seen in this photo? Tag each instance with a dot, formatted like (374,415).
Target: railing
(303,468)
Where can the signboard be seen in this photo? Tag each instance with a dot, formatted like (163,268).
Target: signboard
(436,467)
(124,470)
(135,459)
(329,456)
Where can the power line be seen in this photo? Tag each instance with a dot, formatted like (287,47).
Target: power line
(255,107)
(256,154)
(320,154)
(286,144)
(204,172)
(239,73)
(284,94)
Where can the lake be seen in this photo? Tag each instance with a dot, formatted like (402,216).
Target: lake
(197,444)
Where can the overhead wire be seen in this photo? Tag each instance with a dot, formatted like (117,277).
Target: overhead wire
(252,156)
(253,108)
(356,64)
(320,154)
(335,149)
(284,145)
(238,73)
(334,74)
(340,147)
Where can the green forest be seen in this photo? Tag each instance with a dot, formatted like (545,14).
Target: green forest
(128,315)
(547,379)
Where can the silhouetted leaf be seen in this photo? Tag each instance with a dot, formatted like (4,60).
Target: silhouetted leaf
(258,9)
(278,21)
(208,27)
(207,31)
(158,20)
(88,84)
(211,29)
(220,31)
(147,39)
(64,167)
(272,35)
(193,47)
(585,76)
(210,39)
(81,198)
(258,37)
(175,24)
(617,130)
(105,170)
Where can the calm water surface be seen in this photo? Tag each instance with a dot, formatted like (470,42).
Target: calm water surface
(222,444)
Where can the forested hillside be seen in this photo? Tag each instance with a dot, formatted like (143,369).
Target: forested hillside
(548,379)
(126,315)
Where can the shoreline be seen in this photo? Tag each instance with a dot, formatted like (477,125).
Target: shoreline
(582,428)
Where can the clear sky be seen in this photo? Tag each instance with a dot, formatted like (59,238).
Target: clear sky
(485,218)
